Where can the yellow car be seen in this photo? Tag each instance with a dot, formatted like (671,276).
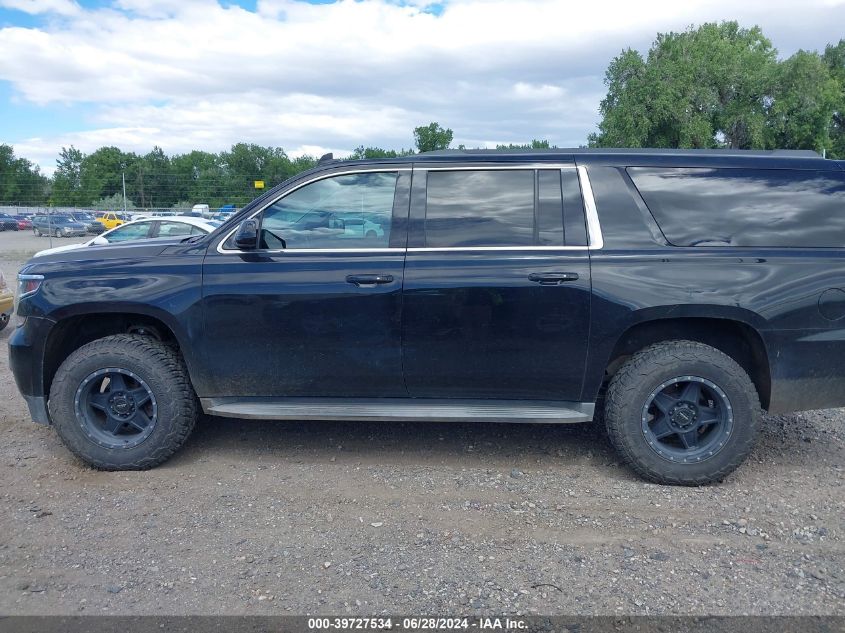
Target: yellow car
(110,220)
(7,300)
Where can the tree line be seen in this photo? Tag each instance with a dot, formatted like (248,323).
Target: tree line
(723,86)
(712,86)
(156,180)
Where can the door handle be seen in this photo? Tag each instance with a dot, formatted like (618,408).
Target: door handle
(552,279)
(369,281)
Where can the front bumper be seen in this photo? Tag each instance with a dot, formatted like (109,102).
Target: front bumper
(26,360)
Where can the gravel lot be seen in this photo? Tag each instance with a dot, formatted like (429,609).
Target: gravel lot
(351,518)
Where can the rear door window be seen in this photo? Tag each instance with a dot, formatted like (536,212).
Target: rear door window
(745,207)
(488,208)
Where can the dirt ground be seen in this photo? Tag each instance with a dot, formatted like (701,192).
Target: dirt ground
(438,519)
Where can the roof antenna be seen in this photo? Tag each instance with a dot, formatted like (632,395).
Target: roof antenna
(326,158)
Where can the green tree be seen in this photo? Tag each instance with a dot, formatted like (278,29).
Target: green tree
(154,180)
(198,177)
(834,59)
(370,153)
(101,173)
(534,144)
(709,86)
(67,179)
(431,137)
(113,202)
(21,182)
(804,104)
(247,162)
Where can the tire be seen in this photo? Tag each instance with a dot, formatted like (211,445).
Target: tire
(668,435)
(57,234)
(144,364)
(5,317)
(37,232)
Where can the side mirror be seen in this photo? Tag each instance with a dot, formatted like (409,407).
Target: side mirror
(99,241)
(247,236)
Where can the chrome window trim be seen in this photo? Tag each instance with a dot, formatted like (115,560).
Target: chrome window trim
(594,235)
(320,176)
(434,249)
(293,251)
(492,167)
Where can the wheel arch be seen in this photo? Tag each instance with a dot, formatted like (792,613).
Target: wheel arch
(70,332)
(737,338)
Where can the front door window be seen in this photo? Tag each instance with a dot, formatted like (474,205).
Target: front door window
(351,211)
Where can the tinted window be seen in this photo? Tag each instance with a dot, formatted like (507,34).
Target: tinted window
(739,207)
(350,211)
(549,208)
(480,208)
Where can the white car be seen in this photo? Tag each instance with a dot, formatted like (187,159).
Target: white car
(148,228)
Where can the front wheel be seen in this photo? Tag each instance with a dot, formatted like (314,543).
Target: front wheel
(123,402)
(37,232)
(683,413)
(57,233)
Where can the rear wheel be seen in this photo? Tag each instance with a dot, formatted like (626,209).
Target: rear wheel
(123,402)
(57,233)
(5,317)
(681,412)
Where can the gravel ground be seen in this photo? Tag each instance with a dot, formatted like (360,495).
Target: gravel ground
(439,519)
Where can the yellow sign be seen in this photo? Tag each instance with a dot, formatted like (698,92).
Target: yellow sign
(259,184)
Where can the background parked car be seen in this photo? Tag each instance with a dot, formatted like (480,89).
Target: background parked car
(203,209)
(7,301)
(57,226)
(150,228)
(8,223)
(224,214)
(24,223)
(111,219)
(88,219)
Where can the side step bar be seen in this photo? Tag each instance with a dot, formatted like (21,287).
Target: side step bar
(400,410)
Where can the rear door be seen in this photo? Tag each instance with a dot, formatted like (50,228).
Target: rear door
(497,283)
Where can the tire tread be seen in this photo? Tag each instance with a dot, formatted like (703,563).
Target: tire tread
(182,392)
(640,367)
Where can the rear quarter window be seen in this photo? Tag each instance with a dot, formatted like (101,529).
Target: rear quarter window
(745,207)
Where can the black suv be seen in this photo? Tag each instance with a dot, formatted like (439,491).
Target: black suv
(673,294)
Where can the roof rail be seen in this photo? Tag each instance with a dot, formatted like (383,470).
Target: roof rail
(795,153)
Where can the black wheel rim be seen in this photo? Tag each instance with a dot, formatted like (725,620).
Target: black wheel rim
(116,408)
(687,419)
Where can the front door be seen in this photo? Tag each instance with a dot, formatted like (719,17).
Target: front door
(497,284)
(316,310)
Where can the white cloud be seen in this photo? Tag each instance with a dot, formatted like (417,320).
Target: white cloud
(34,7)
(195,74)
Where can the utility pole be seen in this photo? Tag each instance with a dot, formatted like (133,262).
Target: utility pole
(124,193)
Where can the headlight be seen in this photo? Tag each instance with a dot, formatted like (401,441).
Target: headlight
(28,285)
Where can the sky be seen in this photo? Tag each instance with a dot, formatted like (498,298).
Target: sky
(320,75)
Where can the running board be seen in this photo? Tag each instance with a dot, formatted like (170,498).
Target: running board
(400,410)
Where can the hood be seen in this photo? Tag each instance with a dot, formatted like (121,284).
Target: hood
(60,249)
(81,253)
